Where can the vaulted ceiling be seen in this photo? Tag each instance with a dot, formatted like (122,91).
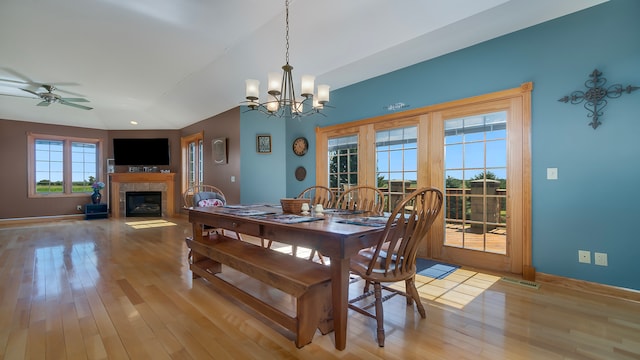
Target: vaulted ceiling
(167,63)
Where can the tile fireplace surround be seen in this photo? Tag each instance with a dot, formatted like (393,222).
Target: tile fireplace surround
(123,182)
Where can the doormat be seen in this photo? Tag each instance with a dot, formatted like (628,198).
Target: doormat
(434,269)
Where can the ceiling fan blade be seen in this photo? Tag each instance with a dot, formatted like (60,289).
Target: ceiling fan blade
(14,82)
(18,96)
(75,105)
(68,92)
(75,99)
(43,103)
(31,92)
(17,75)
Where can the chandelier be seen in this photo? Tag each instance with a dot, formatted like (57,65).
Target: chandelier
(281,95)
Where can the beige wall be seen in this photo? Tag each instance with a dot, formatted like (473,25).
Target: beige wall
(226,125)
(14,200)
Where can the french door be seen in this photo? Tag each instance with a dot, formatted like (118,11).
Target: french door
(482,156)
(476,150)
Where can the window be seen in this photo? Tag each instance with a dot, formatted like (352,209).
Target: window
(62,166)
(396,163)
(193,160)
(343,163)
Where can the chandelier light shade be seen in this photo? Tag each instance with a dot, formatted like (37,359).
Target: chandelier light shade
(281,95)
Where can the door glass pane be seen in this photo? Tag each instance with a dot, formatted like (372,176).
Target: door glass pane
(475,182)
(200,162)
(343,163)
(191,164)
(396,163)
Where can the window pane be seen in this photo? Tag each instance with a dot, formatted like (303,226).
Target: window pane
(83,166)
(395,161)
(474,155)
(453,155)
(496,153)
(411,160)
(49,166)
(191,164)
(200,162)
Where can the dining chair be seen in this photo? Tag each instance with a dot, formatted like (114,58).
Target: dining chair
(205,196)
(198,195)
(363,197)
(319,195)
(393,258)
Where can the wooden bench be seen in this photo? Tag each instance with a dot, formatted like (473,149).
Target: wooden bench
(308,282)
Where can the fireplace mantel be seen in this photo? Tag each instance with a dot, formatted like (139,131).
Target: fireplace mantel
(122,182)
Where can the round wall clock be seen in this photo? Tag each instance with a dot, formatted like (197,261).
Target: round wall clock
(301,173)
(300,146)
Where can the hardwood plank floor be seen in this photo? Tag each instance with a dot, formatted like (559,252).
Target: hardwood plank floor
(121,289)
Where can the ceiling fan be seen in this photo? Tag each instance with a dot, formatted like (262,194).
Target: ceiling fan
(49,98)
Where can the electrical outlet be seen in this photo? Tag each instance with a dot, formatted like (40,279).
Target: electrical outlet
(79,207)
(584,256)
(600,259)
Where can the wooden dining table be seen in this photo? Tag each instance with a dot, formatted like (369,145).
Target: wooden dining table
(337,234)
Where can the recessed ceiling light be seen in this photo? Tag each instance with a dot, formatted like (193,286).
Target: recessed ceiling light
(134,122)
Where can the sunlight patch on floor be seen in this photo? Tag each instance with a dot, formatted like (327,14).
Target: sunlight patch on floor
(456,290)
(145,224)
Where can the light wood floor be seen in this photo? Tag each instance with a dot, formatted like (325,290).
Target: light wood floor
(108,289)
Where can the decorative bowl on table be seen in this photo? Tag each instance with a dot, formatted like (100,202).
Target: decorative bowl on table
(293,205)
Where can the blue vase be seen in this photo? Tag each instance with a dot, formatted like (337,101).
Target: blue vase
(96,196)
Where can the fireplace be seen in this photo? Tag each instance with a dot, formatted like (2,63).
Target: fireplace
(143,203)
(122,183)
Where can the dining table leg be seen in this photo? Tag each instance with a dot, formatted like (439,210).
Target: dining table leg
(340,299)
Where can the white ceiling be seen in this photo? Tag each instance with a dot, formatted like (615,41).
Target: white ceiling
(169,63)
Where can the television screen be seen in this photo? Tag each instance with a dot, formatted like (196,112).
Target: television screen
(141,152)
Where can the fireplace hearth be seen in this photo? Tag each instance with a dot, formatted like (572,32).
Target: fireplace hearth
(143,203)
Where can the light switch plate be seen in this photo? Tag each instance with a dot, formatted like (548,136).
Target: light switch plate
(552,173)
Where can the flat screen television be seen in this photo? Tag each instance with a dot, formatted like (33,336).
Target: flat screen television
(141,152)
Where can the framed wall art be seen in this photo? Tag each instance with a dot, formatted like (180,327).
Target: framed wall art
(263,144)
(219,146)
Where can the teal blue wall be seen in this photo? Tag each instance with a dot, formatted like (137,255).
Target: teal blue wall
(595,203)
(261,175)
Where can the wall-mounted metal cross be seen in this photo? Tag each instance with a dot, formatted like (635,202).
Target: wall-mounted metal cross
(596,94)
